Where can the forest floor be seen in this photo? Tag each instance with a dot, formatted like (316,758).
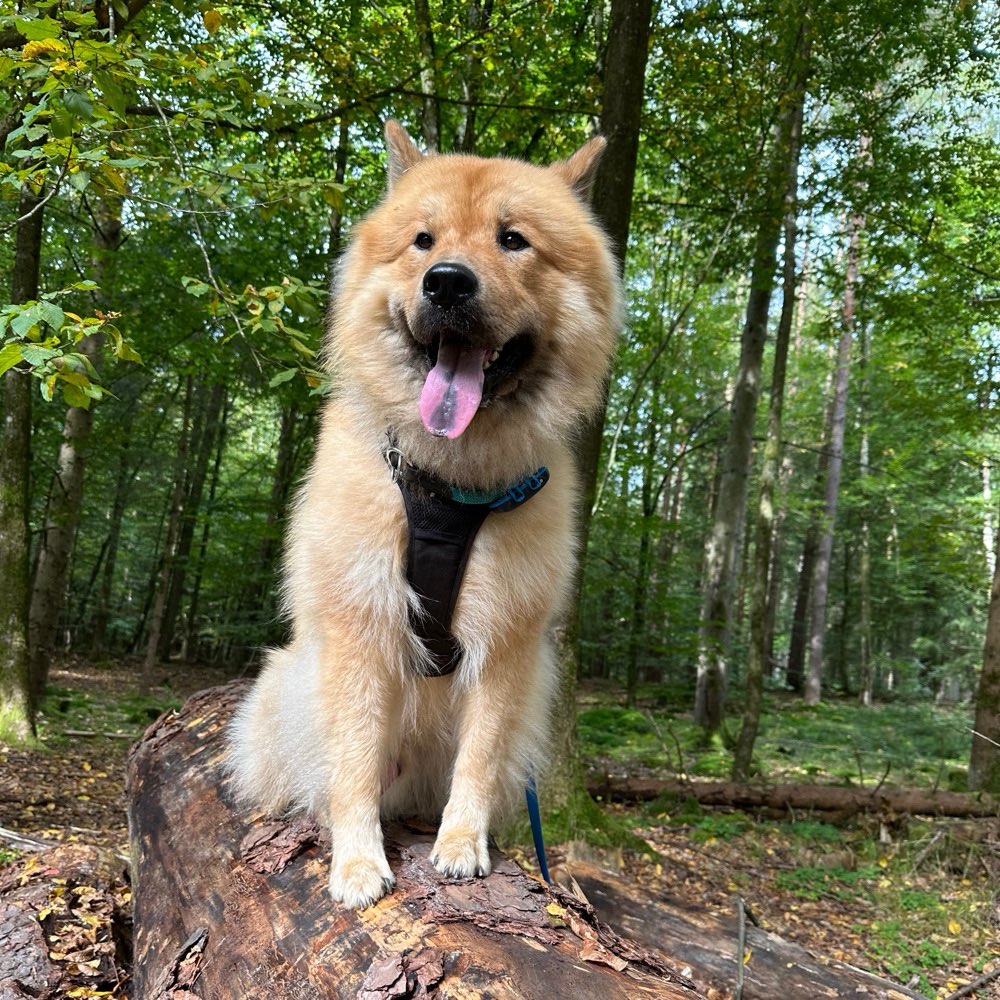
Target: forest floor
(915,901)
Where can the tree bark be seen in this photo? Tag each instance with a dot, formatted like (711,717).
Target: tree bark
(757,654)
(65,497)
(161,585)
(17,701)
(431,115)
(722,547)
(835,448)
(624,90)
(984,762)
(204,429)
(242,906)
(709,945)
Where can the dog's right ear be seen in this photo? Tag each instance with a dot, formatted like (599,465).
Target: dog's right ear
(402,150)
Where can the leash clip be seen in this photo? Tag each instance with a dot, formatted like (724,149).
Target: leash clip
(395,460)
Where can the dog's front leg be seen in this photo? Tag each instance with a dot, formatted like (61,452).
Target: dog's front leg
(360,702)
(502,720)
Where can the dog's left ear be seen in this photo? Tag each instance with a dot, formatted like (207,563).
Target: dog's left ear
(402,150)
(581,168)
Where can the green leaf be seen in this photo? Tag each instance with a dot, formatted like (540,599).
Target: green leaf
(113,96)
(79,103)
(75,395)
(24,322)
(35,28)
(196,287)
(9,356)
(37,355)
(286,376)
(51,314)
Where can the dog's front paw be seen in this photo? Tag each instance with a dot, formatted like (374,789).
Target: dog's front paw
(359,882)
(461,853)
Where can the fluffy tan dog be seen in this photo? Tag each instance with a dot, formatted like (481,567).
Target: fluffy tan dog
(474,318)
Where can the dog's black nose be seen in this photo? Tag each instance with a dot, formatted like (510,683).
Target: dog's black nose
(448,284)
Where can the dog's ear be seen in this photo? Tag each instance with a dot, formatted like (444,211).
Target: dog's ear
(581,168)
(402,150)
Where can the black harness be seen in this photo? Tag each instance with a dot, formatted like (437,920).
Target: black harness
(442,522)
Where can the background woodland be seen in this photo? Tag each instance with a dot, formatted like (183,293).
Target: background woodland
(795,486)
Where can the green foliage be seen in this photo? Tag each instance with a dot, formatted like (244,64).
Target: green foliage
(41,335)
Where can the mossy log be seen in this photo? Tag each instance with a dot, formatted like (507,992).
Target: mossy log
(841,801)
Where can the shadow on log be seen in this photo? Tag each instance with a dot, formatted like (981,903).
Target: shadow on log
(228,906)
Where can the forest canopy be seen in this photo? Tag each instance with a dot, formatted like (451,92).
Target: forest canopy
(176,181)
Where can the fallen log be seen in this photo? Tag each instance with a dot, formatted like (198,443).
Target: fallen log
(783,798)
(230,906)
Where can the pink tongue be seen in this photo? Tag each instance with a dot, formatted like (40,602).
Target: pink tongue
(453,389)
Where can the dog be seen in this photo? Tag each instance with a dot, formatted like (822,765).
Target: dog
(474,317)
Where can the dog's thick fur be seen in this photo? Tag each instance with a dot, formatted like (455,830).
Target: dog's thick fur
(341,723)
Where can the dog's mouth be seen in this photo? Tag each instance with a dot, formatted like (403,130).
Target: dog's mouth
(464,377)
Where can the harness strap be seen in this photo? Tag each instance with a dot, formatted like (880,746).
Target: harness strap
(442,523)
(441,534)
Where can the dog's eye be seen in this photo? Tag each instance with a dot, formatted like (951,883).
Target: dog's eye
(510,239)
(424,241)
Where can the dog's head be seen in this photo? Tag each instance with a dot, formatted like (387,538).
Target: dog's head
(478,289)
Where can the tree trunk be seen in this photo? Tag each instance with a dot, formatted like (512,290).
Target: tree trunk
(624,89)
(431,116)
(17,701)
(204,429)
(867,680)
(642,583)
(161,585)
(795,673)
(477,19)
(123,479)
(243,908)
(191,632)
(984,763)
(722,547)
(835,449)
(62,510)
(757,654)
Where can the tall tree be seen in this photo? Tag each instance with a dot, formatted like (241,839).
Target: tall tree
(17,701)
(722,547)
(835,460)
(624,66)
(62,512)
(763,561)
(984,761)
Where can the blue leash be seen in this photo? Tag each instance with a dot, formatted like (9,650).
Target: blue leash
(535,817)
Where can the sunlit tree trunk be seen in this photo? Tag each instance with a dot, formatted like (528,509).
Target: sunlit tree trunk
(835,448)
(984,762)
(757,653)
(865,567)
(722,547)
(17,702)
